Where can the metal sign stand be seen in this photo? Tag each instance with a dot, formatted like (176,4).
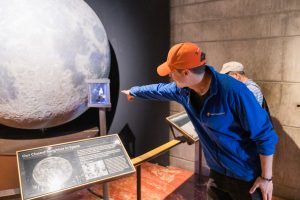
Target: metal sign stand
(103,131)
(138,161)
(99,97)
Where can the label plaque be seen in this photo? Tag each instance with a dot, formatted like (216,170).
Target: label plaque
(182,123)
(54,169)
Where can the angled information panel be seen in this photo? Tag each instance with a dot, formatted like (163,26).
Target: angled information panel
(181,122)
(52,170)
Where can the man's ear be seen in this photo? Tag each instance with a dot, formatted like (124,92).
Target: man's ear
(233,74)
(237,75)
(186,72)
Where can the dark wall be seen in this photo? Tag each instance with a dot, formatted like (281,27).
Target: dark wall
(138,32)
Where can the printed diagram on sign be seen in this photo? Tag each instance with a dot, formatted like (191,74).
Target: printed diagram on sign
(94,169)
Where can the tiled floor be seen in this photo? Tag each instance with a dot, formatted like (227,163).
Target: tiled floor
(158,183)
(191,189)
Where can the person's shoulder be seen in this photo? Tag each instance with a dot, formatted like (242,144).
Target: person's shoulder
(171,87)
(167,85)
(228,83)
(251,83)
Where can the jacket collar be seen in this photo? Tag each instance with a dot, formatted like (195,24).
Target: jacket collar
(213,84)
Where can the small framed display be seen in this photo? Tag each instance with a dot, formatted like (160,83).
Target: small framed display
(182,124)
(99,93)
(57,169)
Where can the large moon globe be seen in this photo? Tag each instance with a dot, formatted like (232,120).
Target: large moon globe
(48,50)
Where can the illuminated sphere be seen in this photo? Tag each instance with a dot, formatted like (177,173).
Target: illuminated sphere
(48,50)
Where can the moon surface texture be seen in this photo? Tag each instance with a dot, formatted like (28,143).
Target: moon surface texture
(48,50)
(52,171)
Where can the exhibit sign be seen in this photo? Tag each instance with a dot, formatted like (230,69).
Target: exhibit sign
(53,170)
(182,123)
(99,93)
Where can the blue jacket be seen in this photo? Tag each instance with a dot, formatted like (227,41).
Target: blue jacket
(232,127)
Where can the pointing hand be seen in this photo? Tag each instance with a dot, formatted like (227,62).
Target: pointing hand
(129,96)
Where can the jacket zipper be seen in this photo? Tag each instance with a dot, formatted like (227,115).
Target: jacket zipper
(216,147)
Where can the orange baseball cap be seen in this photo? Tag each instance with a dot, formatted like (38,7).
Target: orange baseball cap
(182,56)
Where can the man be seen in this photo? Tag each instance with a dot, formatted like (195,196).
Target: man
(236,70)
(235,132)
